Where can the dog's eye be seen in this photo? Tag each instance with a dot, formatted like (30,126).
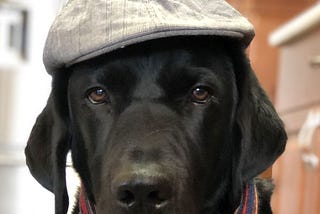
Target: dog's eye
(201,95)
(98,96)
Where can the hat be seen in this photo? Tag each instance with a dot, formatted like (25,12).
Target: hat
(88,28)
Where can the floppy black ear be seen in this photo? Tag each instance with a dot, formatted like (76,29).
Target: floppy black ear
(48,145)
(263,137)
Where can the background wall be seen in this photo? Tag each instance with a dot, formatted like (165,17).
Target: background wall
(24,88)
(24,84)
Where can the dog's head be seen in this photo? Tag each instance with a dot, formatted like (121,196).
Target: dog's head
(173,125)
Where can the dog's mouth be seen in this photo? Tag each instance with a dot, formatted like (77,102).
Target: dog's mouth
(144,200)
(153,202)
(144,192)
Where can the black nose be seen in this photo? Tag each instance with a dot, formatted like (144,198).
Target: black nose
(148,192)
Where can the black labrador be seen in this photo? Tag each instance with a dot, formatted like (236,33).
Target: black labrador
(174,126)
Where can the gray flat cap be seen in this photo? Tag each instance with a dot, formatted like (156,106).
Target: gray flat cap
(88,28)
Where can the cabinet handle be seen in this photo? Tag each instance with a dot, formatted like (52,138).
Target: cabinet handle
(315,62)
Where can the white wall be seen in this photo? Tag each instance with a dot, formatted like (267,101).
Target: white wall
(30,84)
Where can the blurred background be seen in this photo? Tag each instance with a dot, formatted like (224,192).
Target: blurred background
(285,55)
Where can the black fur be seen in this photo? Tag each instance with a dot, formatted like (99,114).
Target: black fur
(265,189)
(152,131)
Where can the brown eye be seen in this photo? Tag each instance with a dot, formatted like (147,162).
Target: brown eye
(200,95)
(98,96)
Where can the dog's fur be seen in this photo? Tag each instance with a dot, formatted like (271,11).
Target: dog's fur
(153,129)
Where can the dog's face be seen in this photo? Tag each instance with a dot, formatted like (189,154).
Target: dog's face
(162,127)
(156,125)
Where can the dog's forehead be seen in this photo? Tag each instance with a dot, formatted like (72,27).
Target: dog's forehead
(150,58)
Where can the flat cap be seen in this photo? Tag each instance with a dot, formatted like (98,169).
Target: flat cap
(88,28)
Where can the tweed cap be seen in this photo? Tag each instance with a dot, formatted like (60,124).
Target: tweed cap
(88,28)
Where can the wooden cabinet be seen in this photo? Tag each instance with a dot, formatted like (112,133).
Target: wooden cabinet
(299,80)
(298,88)
(297,184)
(266,16)
(297,172)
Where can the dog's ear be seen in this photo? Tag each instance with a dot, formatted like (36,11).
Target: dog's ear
(262,133)
(48,144)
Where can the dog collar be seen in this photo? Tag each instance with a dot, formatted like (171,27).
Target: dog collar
(248,204)
(85,205)
(249,200)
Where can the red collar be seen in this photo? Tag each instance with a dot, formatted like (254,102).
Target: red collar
(248,205)
(249,200)
(85,206)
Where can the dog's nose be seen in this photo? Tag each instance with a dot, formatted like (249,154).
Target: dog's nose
(151,193)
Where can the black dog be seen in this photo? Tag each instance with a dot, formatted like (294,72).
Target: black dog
(173,126)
